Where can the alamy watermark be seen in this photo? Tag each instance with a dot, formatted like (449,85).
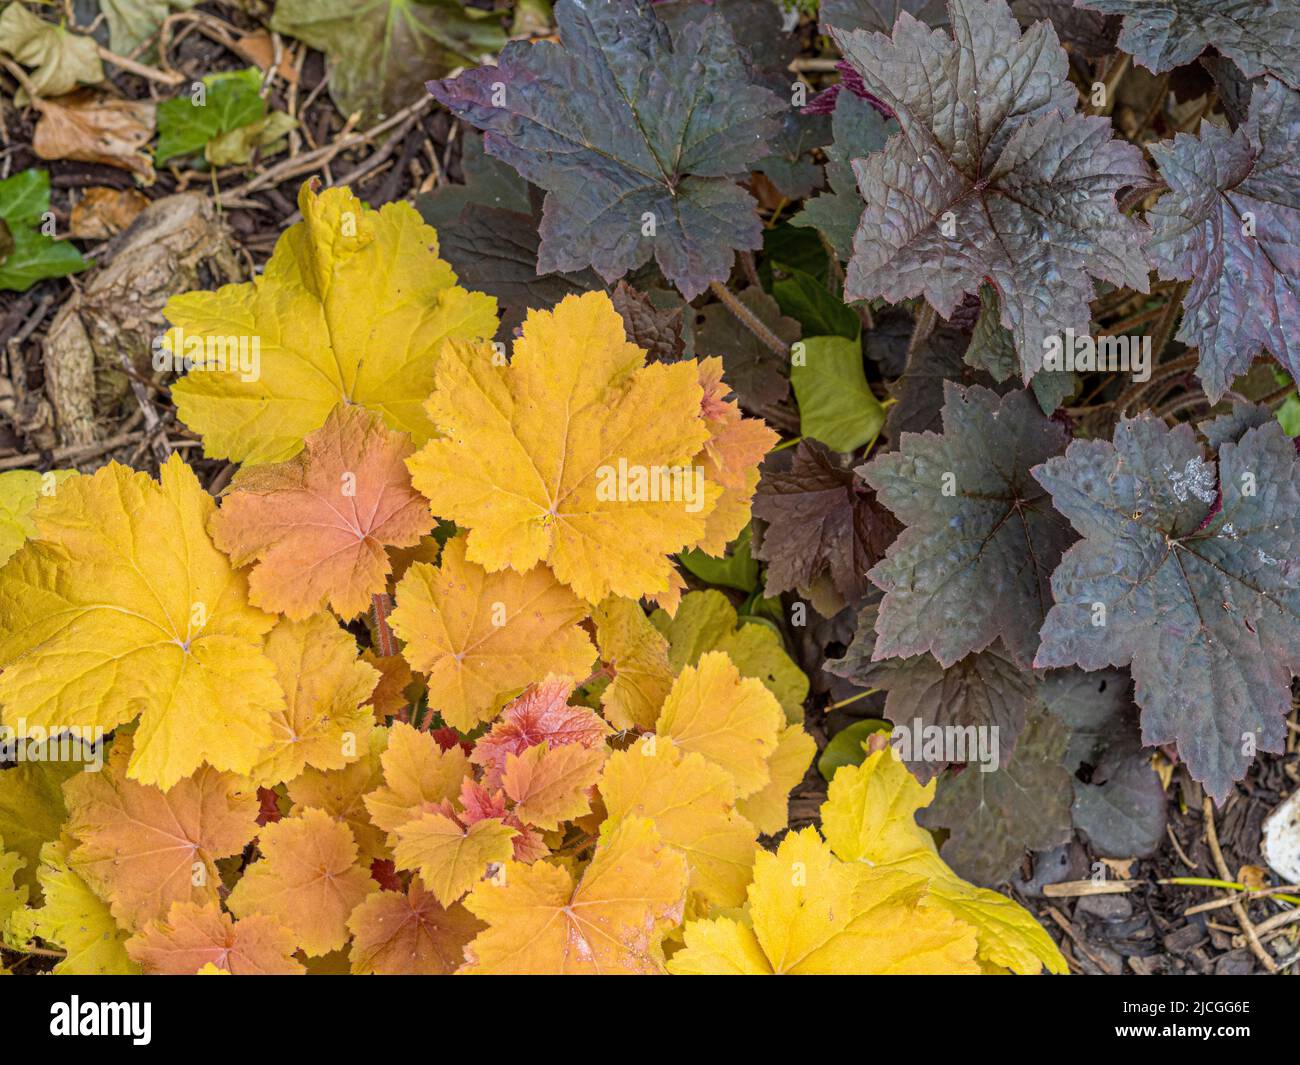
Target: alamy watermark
(36,743)
(1106,354)
(632,483)
(234,354)
(947,744)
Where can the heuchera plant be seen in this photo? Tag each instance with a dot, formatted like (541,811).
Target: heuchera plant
(560,523)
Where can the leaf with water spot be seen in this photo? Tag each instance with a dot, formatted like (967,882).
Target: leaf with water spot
(1187,570)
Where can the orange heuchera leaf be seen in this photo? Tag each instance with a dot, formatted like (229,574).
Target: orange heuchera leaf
(545,459)
(482,637)
(352,308)
(613,920)
(341,794)
(731,457)
(416,771)
(122,607)
(308,880)
(541,714)
(325,723)
(550,785)
(692,804)
(636,653)
(409,934)
(450,857)
(193,937)
(389,697)
(315,527)
(141,849)
(732,721)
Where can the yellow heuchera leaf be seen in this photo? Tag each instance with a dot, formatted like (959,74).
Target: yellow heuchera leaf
(124,608)
(706,621)
(316,527)
(451,859)
(12,896)
(483,637)
(142,849)
(637,655)
(769,807)
(811,914)
(544,458)
(191,937)
(732,721)
(352,308)
(416,771)
(75,919)
(341,794)
(730,457)
(691,802)
(308,880)
(611,921)
(325,723)
(870,817)
(409,934)
(32,811)
(19,492)
(550,785)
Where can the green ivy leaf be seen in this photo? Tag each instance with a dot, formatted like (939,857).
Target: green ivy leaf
(231,100)
(31,255)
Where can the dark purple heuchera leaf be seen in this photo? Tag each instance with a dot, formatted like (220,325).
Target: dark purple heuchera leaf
(758,375)
(1092,34)
(1123,809)
(1121,805)
(487,230)
(623,125)
(1231,225)
(994,176)
(1203,603)
(656,329)
(758,28)
(993,350)
(879,15)
(1089,33)
(1258,35)
(859,129)
(995,818)
(982,538)
(1232,426)
(1090,705)
(821,520)
(935,361)
(984,690)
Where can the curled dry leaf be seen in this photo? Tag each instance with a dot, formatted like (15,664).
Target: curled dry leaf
(92,127)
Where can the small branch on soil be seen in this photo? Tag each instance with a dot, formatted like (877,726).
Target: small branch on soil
(1252,937)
